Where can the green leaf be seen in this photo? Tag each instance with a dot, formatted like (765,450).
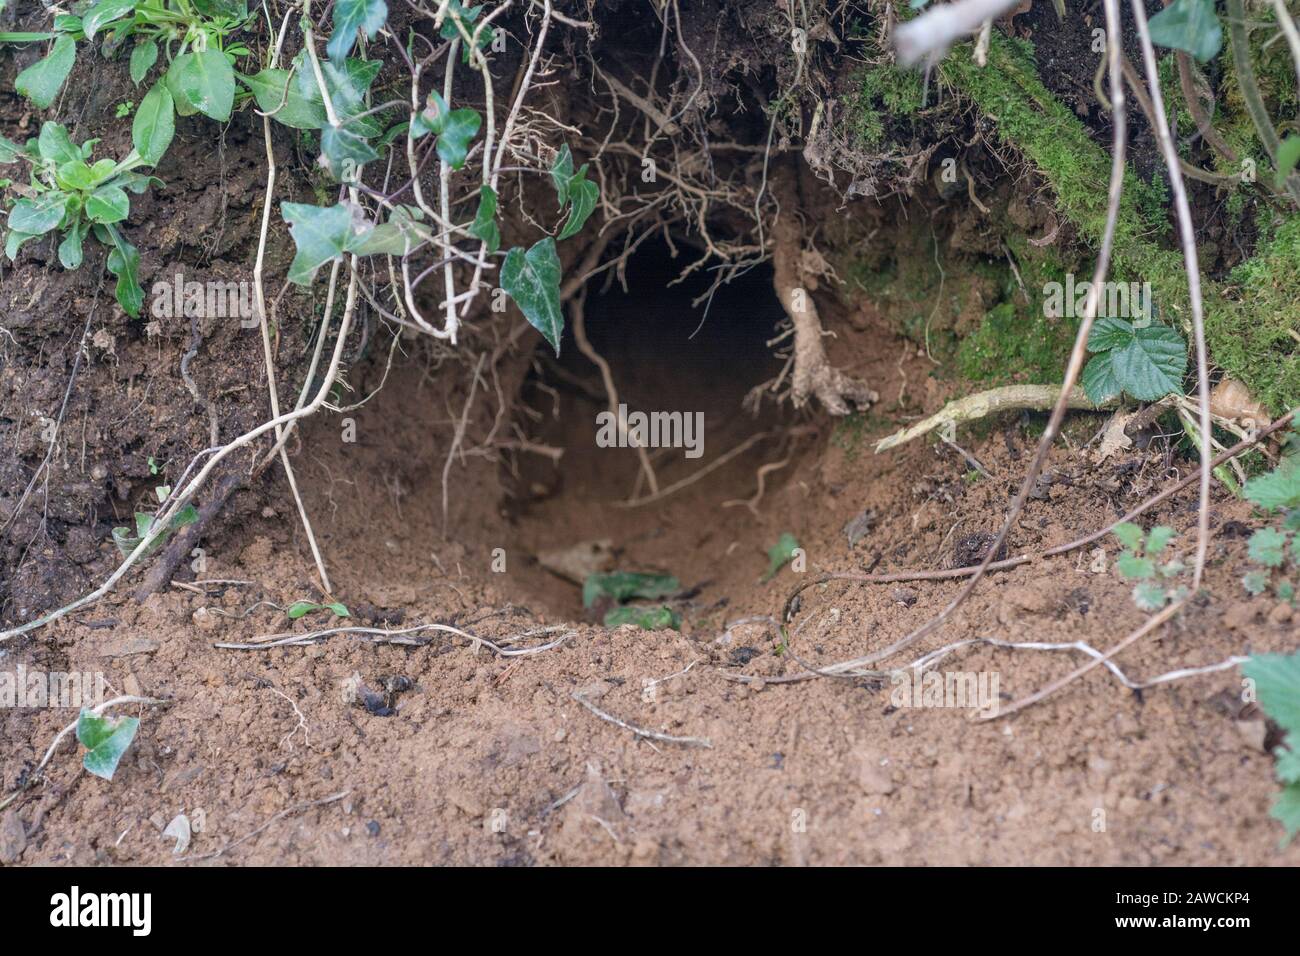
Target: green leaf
(1286,809)
(454,128)
(1288,154)
(1108,333)
(123,262)
(1152,364)
(38,216)
(106,11)
(1150,596)
(106,740)
(484,226)
(298,111)
(56,145)
(299,608)
(582,197)
(202,81)
(345,149)
(108,204)
(42,81)
(1280,488)
(397,237)
(14,241)
(1267,546)
(1189,25)
(625,585)
(646,618)
(1099,381)
(154,124)
(353,15)
(1135,568)
(143,57)
(1158,539)
(1129,534)
(562,173)
(780,554)
(320,234)
(1255,582)
(70,249)
(1277,685)
(532,279)
(9,151)
(339,608)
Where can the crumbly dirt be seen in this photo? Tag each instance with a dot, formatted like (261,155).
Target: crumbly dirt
(489,760)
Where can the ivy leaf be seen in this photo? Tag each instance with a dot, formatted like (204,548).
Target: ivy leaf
(1286,809)
(154,124)
(647,618)
(293,109)
(1267,546)
(1189,25)
(484,226)
(353,15)
(1099,381)
(320,234)
(106,11)
(42,81)
(562,173)
(1152,364)
(532,279)
(108,204)
(35,217)
(143,57)
(203,81)
(345,149)
(397,237)
(454,128)
(582,196)
(105,740)
(780,554)
(1280,488)
(623,586)
(123,262)
(1288,154)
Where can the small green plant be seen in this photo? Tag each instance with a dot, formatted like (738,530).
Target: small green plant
(1140,562)
(127,541)
(68,194)
(106,740)
(780,554)
(1277,685)
(623,586)
(1147,361)
(1276,548)
(302,608)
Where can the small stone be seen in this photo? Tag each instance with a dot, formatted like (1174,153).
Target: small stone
(873,776)
(205,619)
(1280,614)
(560,735)
(904,596)
(13,838)
(1240,615)
(1253,733)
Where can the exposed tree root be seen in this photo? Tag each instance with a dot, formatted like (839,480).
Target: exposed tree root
(813,372)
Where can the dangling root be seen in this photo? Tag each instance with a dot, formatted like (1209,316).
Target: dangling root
(813,373)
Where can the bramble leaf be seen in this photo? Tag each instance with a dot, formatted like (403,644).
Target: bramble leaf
(106,740)
(625,585)
(1267,546)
